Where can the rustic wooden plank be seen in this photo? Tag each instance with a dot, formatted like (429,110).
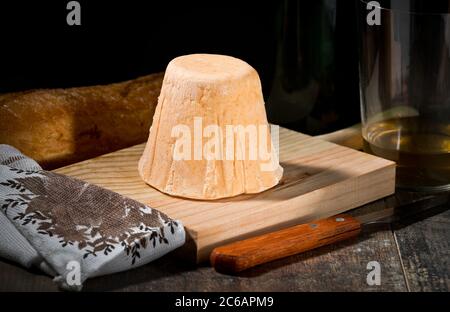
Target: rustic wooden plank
(16,278)
(341,267)
(425,251)
(423,246)
(321,179)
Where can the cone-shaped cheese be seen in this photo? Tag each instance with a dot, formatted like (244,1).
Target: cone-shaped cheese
(201,143)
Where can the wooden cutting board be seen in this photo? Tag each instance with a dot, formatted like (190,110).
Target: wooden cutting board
(320,179)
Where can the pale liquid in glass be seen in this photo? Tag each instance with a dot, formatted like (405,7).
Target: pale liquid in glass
(421,149)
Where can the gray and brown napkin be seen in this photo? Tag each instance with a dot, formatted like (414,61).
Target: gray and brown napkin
(74,230)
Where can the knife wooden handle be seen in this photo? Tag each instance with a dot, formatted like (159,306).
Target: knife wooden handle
(248,253)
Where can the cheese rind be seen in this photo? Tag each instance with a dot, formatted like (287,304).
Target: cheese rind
(202,95)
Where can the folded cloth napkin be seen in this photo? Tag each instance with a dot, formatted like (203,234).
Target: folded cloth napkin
(74,230)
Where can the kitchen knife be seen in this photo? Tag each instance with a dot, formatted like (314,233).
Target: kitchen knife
(242,255)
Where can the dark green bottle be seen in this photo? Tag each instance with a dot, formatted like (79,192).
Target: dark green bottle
(315,87)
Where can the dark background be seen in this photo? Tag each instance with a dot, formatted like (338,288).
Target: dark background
(120,40)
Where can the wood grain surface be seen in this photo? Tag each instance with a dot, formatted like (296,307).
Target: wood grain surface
(339,267)
(320,179)
(242,255)
(425,249)
(413,257)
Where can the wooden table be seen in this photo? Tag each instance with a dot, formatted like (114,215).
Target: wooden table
(413,257)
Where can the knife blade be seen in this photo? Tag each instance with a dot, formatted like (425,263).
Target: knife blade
(395,210)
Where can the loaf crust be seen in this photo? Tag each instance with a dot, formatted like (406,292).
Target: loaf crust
(62,126)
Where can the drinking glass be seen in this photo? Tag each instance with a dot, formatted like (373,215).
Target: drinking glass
(404,69)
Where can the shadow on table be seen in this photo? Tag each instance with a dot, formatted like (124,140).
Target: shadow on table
(431,206)
(160,269)
(274,265)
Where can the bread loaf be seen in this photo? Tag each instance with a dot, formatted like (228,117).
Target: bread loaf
(62,126)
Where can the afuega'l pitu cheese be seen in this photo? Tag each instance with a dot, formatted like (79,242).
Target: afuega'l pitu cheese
(210,137)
